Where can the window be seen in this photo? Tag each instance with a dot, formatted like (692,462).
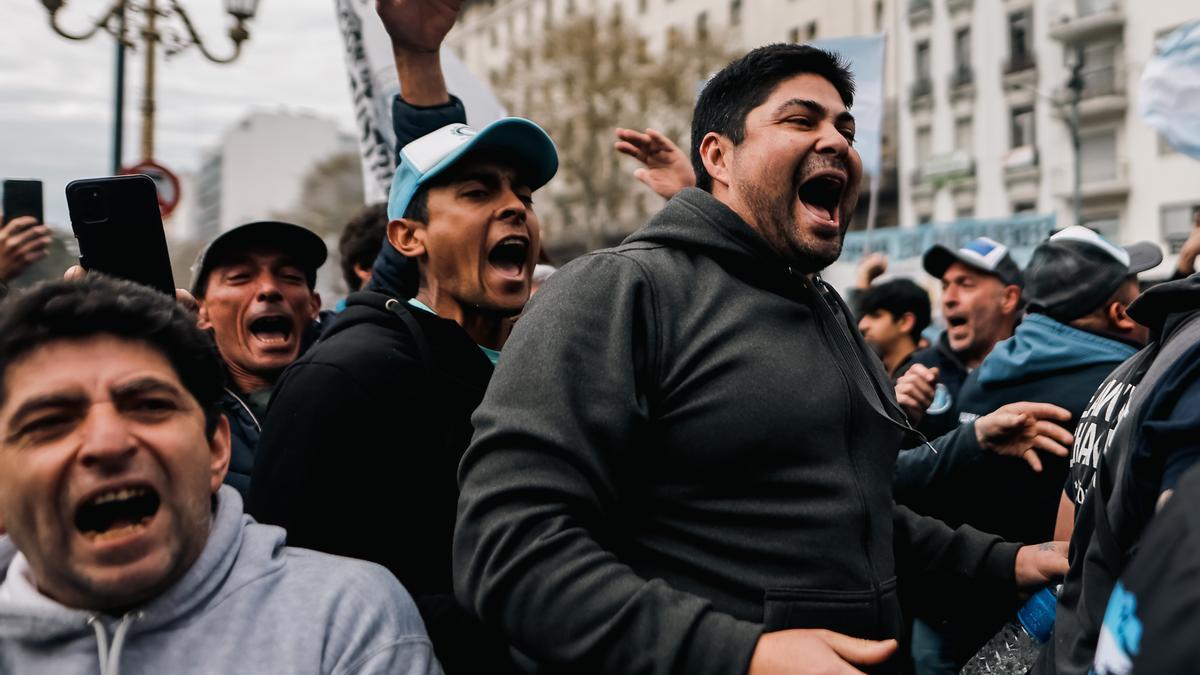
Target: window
(673,37)
(1024,207)
(965,212)
(1099,69)
(492,36)
(924,144)
(1178,221)
(549,13)
(922,60)
(1022,127)
(642,6)
(962,48)
(1020,37)
(570,7)
(1098,157)
(702,26)
(1108,225)
(964,135)
(794,35)
(735,12)
(811,31)
(878,16)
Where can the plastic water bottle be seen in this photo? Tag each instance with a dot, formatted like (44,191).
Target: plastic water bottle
(1015,648)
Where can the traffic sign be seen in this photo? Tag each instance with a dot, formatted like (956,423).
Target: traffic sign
(166,182)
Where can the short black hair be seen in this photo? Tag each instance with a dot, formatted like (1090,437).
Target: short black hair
(898,297)
(361,240)
(98,305)
(744,84)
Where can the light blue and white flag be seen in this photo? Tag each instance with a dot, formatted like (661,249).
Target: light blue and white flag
(1170,95)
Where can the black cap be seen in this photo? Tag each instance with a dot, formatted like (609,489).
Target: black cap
(303,244)
(983,254)
(1076,270)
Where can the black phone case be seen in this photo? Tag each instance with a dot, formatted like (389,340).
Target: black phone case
(120,231)
(22,198)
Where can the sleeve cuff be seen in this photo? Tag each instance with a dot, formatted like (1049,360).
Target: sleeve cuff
(721,645)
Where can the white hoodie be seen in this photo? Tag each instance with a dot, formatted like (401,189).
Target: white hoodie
(248,605)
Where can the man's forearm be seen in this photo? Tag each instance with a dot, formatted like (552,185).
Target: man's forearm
(421,79)
(925,465)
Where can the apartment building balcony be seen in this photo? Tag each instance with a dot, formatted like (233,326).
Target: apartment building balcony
(1104,96)
(920,10)
(920,92)
(1020,72)
(962,82)
(957,5)
(1091,18)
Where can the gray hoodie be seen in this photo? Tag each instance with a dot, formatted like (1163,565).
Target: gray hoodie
(248,605)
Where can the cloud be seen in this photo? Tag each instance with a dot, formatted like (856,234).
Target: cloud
(56,112)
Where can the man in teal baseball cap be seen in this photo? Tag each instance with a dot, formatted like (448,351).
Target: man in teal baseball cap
(368,427)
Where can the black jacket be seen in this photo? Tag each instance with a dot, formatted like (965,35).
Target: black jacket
(359,452)
(1120,500)
(244,430)
(1151,622)
(942,416)
(686,444)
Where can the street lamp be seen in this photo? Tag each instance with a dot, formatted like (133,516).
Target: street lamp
(1073,59)
(174,39)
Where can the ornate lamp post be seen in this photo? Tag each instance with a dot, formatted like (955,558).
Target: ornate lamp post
(161,21)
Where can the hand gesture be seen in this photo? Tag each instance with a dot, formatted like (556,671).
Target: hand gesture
(915,390)
(1023,429)
(23,242)
(418,25)
(1191,248)
(870,268)
(799,651)
(666,170)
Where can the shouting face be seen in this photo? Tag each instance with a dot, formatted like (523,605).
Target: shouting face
(258,305)
(106,471)
(979,310)
(795,176)
(479,248)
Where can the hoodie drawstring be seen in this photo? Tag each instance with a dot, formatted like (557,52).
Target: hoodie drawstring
(110,659)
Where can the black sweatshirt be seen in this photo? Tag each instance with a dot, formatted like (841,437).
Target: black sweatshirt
(684,445)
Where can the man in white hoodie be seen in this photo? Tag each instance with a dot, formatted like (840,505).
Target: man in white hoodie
(122,545)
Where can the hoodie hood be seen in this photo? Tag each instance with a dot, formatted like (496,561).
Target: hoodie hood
(1162,307)
(1040,346)
(696,220)
(212,577)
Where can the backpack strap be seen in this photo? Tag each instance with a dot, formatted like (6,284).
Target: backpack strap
(396,307)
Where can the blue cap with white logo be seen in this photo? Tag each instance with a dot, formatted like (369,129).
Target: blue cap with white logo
(512,139)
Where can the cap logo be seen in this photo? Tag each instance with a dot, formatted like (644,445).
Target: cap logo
(986,253)
(425,152)
(464,131)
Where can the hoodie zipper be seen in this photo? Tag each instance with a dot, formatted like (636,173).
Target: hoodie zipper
(245,407)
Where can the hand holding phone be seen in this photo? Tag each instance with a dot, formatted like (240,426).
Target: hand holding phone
(120,231)
(23,238)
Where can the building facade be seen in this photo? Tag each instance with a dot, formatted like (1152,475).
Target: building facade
(987,121)
(258,167)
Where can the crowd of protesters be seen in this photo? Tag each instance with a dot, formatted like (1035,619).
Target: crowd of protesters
(687,455)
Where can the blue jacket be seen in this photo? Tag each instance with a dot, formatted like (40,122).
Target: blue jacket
(1044,361)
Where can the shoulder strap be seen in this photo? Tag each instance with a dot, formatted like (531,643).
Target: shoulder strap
(395,307)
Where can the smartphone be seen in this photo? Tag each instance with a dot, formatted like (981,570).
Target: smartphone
(22,198)
(119,228)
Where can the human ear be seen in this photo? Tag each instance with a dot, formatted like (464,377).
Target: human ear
(1119,318)
(203,322)
(219,448)
(714,153)
(906,322)
(407,236)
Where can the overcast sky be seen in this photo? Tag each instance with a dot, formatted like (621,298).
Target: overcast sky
(56,94)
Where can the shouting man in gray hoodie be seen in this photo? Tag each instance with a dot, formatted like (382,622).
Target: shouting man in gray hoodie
(122,546)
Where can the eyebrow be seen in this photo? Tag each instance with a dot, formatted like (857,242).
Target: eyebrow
(55,400)
(816,108)
(145,385)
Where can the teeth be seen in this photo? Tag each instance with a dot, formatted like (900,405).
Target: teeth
(116,532)
(119,495)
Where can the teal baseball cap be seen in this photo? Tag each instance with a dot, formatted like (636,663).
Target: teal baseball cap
(514,139)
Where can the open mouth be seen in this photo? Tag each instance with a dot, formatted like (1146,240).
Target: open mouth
(822,196)
(510,256)
(273,330)
(117,513)
(956,321)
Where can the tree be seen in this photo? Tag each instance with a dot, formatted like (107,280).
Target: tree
(332,192)
(583,78)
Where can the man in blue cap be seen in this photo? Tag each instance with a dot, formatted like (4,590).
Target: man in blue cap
(369,426)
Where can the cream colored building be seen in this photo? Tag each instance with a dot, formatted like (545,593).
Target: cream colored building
(985,122)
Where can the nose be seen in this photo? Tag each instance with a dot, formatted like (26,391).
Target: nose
(268,288)
(107,443)
(512,208)
(831,141)
(949,297)
(864,325)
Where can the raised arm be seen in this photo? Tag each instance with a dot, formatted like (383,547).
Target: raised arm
(417,29)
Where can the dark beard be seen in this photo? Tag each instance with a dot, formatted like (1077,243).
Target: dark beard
(775,221)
